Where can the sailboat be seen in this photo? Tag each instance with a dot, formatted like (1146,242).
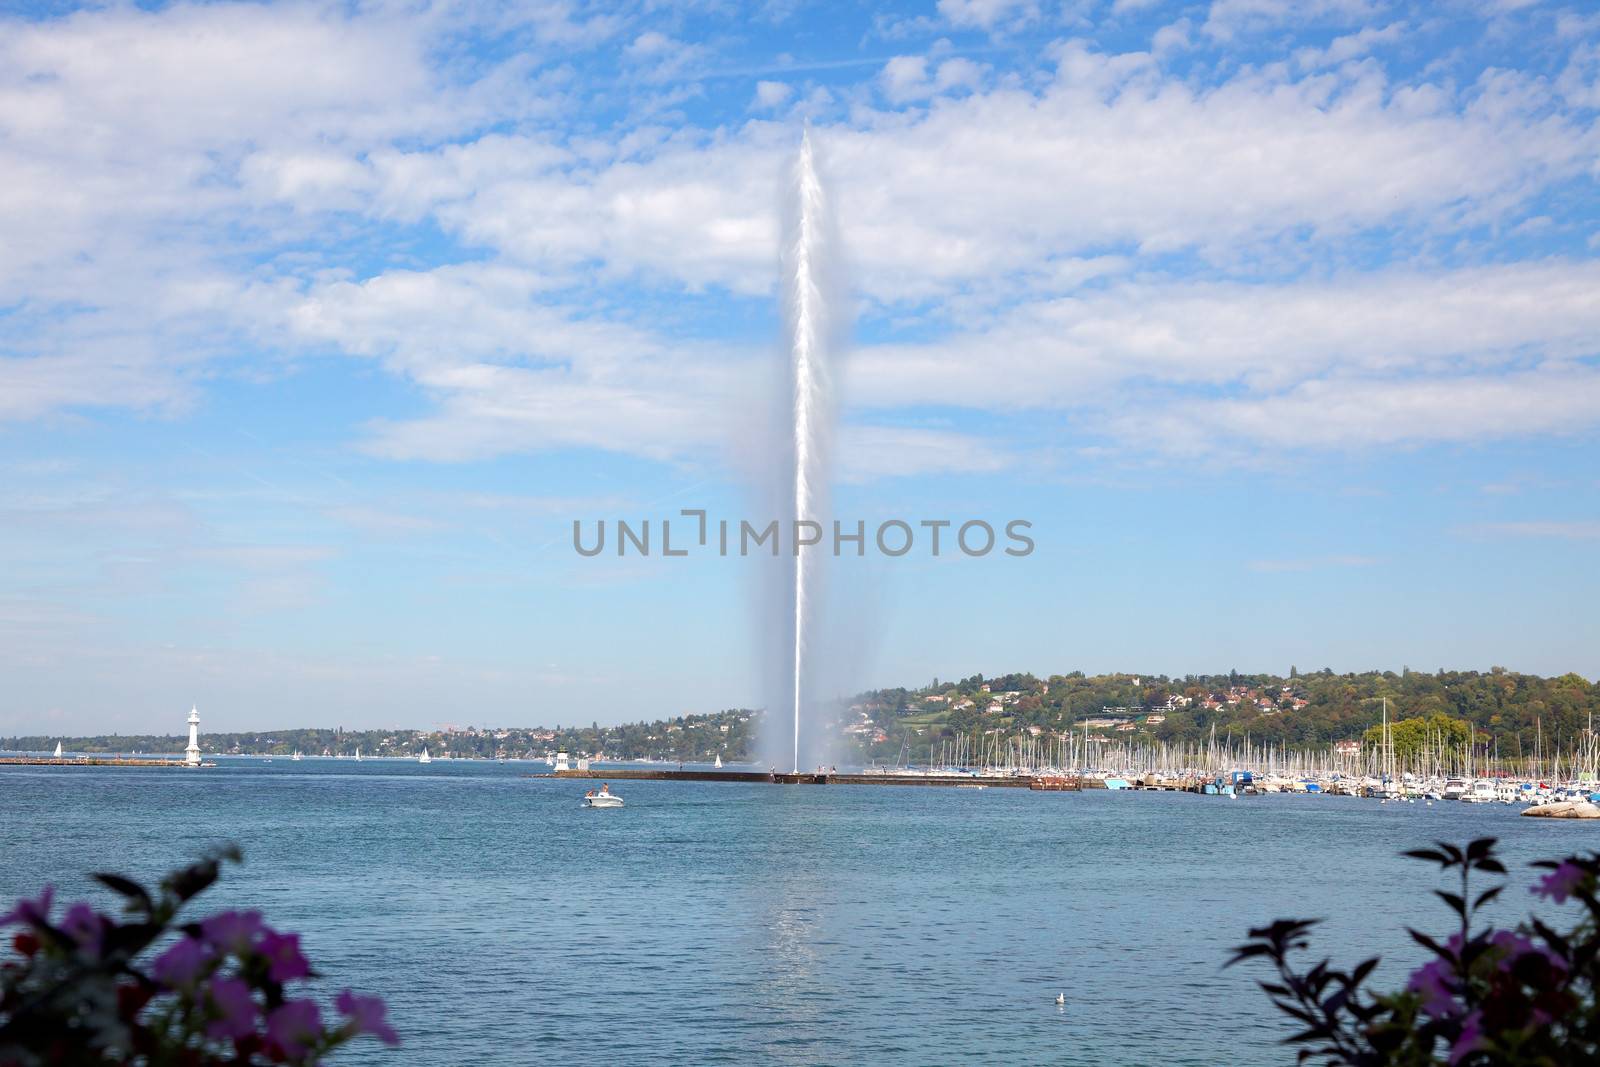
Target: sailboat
(719,761)
(58,750)
(1388,774)
(424,758)
(296,757)
(358,753)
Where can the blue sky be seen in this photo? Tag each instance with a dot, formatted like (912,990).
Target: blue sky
(319,325)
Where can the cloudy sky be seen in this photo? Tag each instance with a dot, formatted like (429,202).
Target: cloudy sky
(319,324)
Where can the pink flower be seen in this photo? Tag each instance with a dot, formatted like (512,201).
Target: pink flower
(1469,1040)
(85,926)
(367,1016)
(285,962)
(31,912)
(235,1010)
(1560,883)
(294,1027)
(180,965)
(1433,982)
(232,931)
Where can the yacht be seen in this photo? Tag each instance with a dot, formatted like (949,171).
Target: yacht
(1454,788)
(424,758)
(1482,791)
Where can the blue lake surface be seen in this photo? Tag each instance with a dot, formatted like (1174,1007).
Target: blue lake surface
(729,923)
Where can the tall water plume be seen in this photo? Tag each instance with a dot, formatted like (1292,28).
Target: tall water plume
(808,293)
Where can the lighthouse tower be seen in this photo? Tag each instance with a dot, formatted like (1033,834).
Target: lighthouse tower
(191,755)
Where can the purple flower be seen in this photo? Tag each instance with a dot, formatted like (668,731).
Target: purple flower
(85,926)
(1469,1040)
(285,962)
(1560,883)
(1515,947)
(31,912)
(180,965)
(367,1016)
(1433,982)
(232,931)
(235,1010)
(294,1027)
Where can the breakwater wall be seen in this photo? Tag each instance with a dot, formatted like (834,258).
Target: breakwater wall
(93,761)
(634,774)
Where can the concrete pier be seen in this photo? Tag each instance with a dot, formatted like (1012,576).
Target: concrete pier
(96,761)
(636,774)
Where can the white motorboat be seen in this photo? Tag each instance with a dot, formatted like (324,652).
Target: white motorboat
(603,799)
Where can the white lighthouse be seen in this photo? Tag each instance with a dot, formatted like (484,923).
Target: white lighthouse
(191,755)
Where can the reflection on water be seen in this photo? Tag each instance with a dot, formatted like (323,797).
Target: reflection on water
(720,923)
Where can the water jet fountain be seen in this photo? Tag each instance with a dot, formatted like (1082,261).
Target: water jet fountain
(806,291)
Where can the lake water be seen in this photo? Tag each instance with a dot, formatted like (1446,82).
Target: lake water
(722,923)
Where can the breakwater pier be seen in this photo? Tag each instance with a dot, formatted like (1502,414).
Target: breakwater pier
(96,761)
(638,774)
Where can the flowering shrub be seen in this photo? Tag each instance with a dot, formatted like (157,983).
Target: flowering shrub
(79,988)
(1525,996)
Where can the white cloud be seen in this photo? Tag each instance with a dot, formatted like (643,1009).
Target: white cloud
(1111,154)
(957,73)
(1228,18)
(986,14)
(1081,350)
(512,372)
(905,78)
(204,178)
(771,95)
(663,57)
(1350,46)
